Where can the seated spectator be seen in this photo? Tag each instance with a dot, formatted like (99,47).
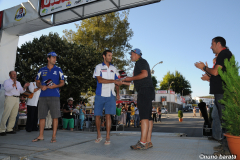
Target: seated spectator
(68,117)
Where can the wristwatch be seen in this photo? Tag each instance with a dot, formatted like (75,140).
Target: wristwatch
(204,68)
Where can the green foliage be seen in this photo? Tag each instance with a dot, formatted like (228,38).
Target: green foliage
(154,80)
(76,61)
(111,31)
(180,113)
(231,97)
(179,84)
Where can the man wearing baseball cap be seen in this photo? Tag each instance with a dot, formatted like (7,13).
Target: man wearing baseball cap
(68,117)
(49,78)
(144,86)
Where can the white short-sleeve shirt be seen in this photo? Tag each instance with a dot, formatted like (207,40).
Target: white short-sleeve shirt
(109,73)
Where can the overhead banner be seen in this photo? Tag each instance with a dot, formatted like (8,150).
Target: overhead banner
(52,6)
(1,17)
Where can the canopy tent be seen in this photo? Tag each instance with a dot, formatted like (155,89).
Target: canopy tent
(36,15)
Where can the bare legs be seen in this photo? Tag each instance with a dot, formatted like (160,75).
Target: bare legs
(108,126)
(146,130)
(41,128)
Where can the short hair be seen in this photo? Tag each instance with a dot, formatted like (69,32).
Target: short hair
(10,72)
(221,40)
(105,52)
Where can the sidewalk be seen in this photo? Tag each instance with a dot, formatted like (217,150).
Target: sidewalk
(80,145)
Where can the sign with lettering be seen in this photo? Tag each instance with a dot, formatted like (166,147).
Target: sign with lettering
(51,6)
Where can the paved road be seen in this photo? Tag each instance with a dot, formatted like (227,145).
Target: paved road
(192,126)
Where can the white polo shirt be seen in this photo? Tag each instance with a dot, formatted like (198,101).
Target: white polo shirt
(110,73)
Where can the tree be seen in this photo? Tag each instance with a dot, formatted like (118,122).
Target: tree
(180,83)
(110,31)
(231,86)
(76,61)
(154,80)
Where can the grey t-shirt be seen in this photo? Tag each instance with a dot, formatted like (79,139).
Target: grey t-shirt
(140,65)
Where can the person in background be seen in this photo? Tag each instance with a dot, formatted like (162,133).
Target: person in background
(159,111)
(118,113)
(81,117)
(154,113)
(68,117)
(48,122)
(124,114)
(128,116)
(13,89)
(137,118)
(132,113)
(32,109)
(194,112)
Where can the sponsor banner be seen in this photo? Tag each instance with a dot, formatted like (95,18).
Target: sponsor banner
(51,6)
(1,17)
(20,13)
(161,91)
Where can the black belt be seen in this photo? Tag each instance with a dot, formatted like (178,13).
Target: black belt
(16,96)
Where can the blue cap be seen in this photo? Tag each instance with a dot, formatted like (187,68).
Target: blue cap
(52,54)
(136,50)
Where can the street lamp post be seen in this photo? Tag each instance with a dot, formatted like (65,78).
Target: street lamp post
(170,96)
(152,71)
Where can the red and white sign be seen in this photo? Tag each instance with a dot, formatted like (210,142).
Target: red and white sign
(1,17)
(183,100)
(52,6)
(161,91)
(172,92)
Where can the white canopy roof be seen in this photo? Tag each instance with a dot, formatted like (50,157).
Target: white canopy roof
(26,17)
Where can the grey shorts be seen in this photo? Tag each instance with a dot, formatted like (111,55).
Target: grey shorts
(49,103)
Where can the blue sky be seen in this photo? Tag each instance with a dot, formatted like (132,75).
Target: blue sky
(177,32)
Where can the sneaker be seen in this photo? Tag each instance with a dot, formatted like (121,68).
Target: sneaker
(138,146)
(149,145)
(3,134)
(218,148)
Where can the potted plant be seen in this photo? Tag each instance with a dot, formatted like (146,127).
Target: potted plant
(180,115)
(231,100)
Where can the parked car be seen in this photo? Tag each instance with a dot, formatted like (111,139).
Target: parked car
(186,109)
(190,109)
(128,101)
(164,110)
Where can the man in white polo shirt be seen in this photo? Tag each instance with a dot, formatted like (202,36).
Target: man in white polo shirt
(13,89)
(106,75)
